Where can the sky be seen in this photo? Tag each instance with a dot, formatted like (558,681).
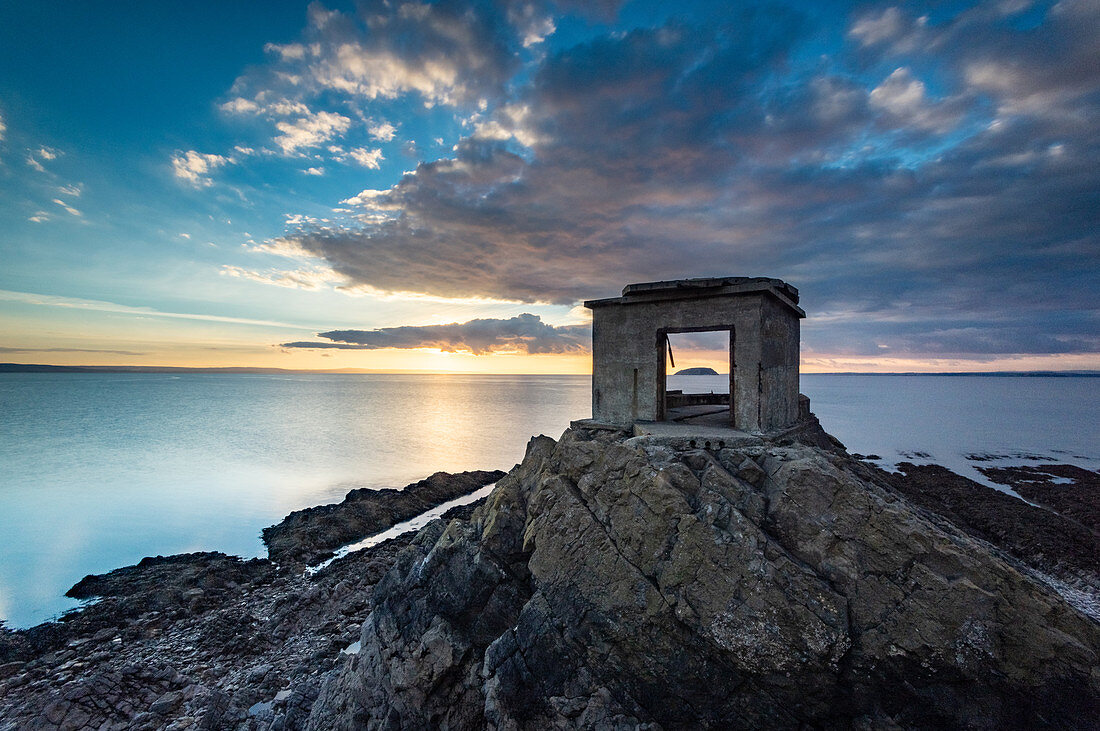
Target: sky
(403,186)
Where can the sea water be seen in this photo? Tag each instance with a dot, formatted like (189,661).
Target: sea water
(98,470)
(960,422)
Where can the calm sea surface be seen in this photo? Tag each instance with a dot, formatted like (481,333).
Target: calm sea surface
(100,470)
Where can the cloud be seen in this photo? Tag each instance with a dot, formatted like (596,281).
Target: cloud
(309,278)
(240,105)
(288,52)
(706,342)
(298,126)
(367,158)
(1052,75)
(928,332)
(323,346)
(929,182)
(364,197)
(46,300)
(68,209)
(35,158)
(900,95)
(381,131)
(903,98)
(524,333)
(534,23)
(3,127)
(73,191)
(449,52)
(875,28)
(195,167)
(314,171)
(594,204)
(311,130)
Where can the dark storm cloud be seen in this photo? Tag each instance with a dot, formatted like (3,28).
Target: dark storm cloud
(324,346)
(943,173)
(961,336)
(525,333)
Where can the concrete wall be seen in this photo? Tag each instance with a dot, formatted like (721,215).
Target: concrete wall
(629,356)
(778,365)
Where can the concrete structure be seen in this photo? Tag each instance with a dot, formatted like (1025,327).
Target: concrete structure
(630,342)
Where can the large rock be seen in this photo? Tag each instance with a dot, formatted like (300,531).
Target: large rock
(313,534)
(618,583)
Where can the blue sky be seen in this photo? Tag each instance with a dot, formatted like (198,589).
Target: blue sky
(437,186)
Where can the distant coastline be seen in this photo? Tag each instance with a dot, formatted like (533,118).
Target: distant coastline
(1027,374)
(45,368)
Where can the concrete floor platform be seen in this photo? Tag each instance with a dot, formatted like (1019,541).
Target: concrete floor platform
(697,434)
(687,436)
(679,435)
(694,435)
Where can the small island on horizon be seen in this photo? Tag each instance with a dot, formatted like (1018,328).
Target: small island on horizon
(696,372)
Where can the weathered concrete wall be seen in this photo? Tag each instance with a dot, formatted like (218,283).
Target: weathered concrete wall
(778,365)
(629,356)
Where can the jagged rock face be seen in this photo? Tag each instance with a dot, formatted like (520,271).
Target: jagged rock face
(617,583)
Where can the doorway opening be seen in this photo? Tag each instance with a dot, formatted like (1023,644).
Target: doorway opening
(696,375)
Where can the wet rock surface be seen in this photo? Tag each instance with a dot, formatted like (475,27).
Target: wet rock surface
(1072,491)
(312,535)
(1058,536)
(607,582)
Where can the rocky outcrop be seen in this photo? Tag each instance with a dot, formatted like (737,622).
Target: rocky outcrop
(312,535)
(619,582)
(608,582)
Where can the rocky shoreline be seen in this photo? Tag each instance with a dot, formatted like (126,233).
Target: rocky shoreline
(584,585)
(1058,536)
(206,640)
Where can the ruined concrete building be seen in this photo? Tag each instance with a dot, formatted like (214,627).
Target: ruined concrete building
(630,349)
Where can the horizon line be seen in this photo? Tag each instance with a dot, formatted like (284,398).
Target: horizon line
(47,368)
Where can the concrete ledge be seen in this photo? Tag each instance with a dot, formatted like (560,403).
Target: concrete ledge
(593,424)
(680,289)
